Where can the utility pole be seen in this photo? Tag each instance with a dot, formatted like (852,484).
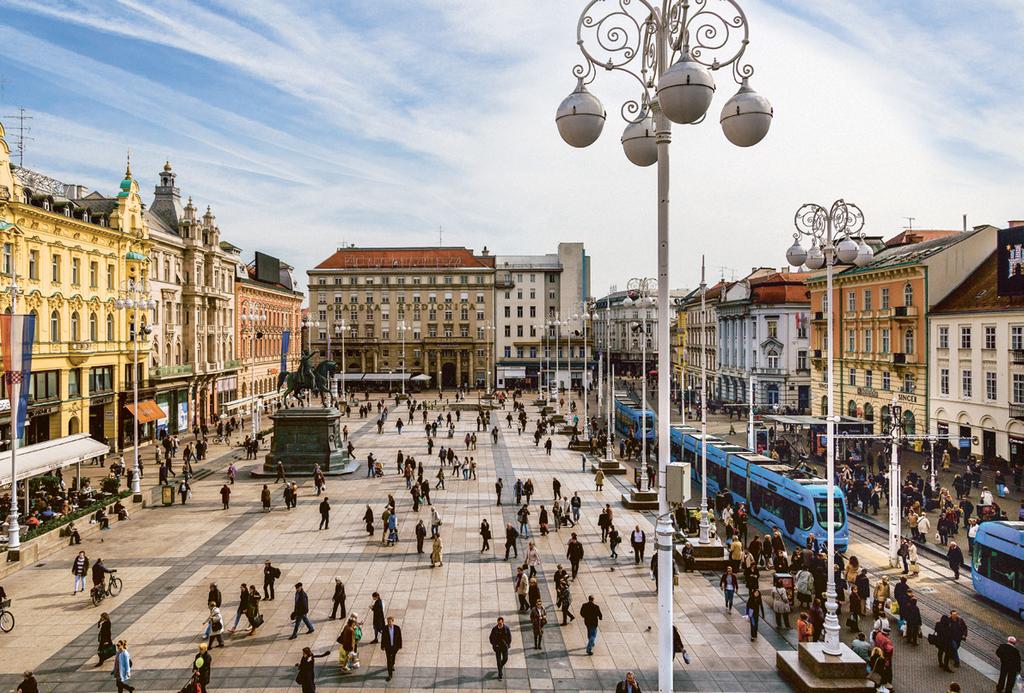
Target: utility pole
(21,136)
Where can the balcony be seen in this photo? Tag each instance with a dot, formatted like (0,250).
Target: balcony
(504,283)
(1017,411)
(1017,357)
(164,372)
(905,313)
(761,370)
(899,357)
(819,316)
(232,364)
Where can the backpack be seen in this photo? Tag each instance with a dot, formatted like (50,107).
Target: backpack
(275,572)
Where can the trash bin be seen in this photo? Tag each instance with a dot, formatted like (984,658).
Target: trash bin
(167,495)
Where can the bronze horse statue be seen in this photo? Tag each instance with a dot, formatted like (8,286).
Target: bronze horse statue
(297,383)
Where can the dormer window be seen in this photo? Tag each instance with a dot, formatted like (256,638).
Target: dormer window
(67,210)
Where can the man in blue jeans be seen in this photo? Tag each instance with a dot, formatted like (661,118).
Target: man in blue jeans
(591,614)
(300,611)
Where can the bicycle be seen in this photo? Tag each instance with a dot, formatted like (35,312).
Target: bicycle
(111,589)
(6,617)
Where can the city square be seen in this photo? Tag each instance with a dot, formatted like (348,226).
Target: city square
(461,396)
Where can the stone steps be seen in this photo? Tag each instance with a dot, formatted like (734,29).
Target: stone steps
(810,670)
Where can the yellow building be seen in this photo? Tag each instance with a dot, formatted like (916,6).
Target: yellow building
(73,253)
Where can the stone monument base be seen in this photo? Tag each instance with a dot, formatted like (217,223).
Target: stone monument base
(305,437)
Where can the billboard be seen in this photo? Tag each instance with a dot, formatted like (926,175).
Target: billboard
(1010,262)
(268,268)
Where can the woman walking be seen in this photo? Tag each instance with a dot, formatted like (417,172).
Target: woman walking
(485,533)
(368,520)
(780,604)
(538,619)
(307,670)
(123,667)
(252,611)
(436,552)
(532,558)
(265,498)
(216,623)
(755,612)
(106,648)
(565,601)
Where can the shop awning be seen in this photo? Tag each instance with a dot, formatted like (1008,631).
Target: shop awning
(148,411)
(49,455)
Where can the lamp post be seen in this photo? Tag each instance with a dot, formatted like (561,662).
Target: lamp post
(611,385)
(402,327)
(340,327)
(640,294)
(253,314)
(135,296)
(704,529)
(488,329)
(14,385)
(671,52)
(832,233)
(584,316)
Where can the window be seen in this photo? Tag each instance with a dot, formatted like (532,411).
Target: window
(1018,388)
(44,385)
(519,330)
(885,380)
(852,380)
(908,342)
(965,383)
(33,264)
(94,274)
(943,336)
(1017,337)
(93,327)
(1002,568)
(851,341)
(909,386)
(801,360)
(55,269)
(110,277)
(110,327)
(944,381)
(990,337)
(508,311)
(991,389)
(868,342)
(508,352)
(74,326)
(885,340)
(867,299)
(54,326)
(851,301)
(8,258)
(76,271)
(965,336)
(773,329)
(821,507)
(773,359)
(884,297)
(519,312)
(908,294)
(101,379)
(508,330)
(75,382)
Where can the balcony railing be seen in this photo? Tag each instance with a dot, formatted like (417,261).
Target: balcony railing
(232,363)
(170,371)
(1017,411)
(905,312)
(1017,357)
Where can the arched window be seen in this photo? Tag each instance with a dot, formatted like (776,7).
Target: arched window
(851,409)
(884,412)
(773,358)
(908,341)
(38,326)
(74,326)
(908,422)
(54,326)
(869,411)
(93,327)
(110,327)
(824,405)
(908,294)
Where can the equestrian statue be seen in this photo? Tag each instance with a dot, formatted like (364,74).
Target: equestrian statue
(316,380)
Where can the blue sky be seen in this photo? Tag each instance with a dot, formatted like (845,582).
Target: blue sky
(306,124)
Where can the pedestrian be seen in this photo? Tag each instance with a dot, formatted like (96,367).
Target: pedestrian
(325,513)
(105,648)
(780,604)
(435,523)
(421,535)
(368,520)
(435,552)
(538,619)
(755,612)
(591,614)
(28,683)
(122,667)
(638,540)
(955,558)
(243,606)
(556,487)
(485,534)
(347,657)
(265,498)
(377,609)
(614,539)
(629,685)
(804,629)
(598,480)
(390,643)
(270,576)
(498,486)
(574,552)
(216,626)
(510,540)
(532,557)
(729,586)
(564,601)
(575,503)
(307,672)
(300,611)
(80,569)
(1009,665)
(338,599)
(225,496)
(950,631)
(202,665)
(501,640)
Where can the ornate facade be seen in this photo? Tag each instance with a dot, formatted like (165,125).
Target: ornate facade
(73,253)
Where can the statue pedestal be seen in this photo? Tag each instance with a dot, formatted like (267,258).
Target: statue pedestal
(304,437)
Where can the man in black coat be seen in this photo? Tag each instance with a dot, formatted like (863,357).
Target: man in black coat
(391,643)
(201,666)
(574,552)
(270,575)
(338,600)
(377,607)
(300,611)
(501,641)
(1009,665)
(325,514)
(591,614)
(511,534)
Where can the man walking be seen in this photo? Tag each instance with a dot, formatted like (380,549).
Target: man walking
(377,610)
(325,514)
(391,643)
(338,600)
(574,552)
(510,540)
(575,503)
(300,611)
(270,575)
(1009,665)
(638,539)
(501,641)
(225,496)
(591,614)
(498,486)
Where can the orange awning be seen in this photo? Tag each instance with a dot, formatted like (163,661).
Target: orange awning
(148,411)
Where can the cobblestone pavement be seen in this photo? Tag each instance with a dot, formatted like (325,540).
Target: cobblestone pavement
(168,557)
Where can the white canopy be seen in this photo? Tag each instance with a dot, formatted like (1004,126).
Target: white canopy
(47,456)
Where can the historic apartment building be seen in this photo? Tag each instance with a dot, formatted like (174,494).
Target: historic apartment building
(260,344)
(701,341)
(622,332)
(977,366)
(73,253)
(763,333)
(530,292)
(880,322)
(440,299)
(194,368)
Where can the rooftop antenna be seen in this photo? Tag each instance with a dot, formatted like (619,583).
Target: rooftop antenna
(21,136)
(440,235)
(910,223)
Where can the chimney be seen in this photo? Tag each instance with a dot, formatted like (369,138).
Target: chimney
(1015,223)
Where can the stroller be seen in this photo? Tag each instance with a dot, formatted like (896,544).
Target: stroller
(194,685)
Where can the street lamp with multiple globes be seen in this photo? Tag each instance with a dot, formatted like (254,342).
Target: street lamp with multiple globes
(488,329)
(837,235)
(135,297)
(586,309)
(672,51)
(339,328)
(402,329)
(253,314)
(640,293)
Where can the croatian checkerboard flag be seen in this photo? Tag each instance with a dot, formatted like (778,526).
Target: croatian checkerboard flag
(16,333)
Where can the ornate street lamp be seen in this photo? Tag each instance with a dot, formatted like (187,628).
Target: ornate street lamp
(837,235)
(135,296)
(672,50)
(640,293)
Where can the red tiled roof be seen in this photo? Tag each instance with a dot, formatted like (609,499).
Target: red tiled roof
(398,258)
(910,236)
(780,287)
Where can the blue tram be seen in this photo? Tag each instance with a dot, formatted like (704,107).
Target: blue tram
(628,421)
(794,502)
(997,563)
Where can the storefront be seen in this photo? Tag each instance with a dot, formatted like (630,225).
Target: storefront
(174,406)
(1016,449)
(227,391)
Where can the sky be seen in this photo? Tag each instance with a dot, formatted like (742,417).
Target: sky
(305,124)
